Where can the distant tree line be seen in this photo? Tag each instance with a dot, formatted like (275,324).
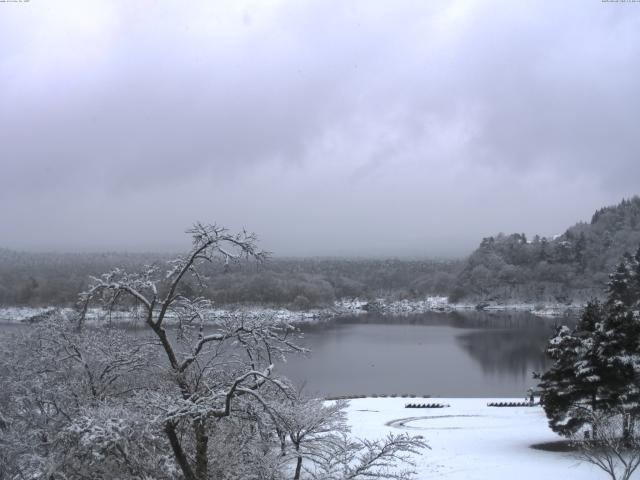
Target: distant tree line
(43,279)
(571,266)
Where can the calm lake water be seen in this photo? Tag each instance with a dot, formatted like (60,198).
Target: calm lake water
(440,354)
(462,354)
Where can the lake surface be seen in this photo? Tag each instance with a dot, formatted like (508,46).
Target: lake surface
(460,354)
(440,354)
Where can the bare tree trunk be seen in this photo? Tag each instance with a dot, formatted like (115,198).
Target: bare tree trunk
(283,442)
(298,464)
(626,433)
(202,444)
(178,452)
(594,406)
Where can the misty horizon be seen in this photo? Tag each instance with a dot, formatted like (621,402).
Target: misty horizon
(141,249)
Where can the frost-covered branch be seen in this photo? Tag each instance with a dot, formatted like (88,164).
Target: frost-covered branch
(208,242)
(349,459)
(605,447)
(94,396)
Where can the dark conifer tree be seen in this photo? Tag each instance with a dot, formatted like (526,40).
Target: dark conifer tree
(597,364)
(620,287)
(636,279)
(575,384)
(558,385)
(620,350)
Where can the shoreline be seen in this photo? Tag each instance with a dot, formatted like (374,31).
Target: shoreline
(344,307)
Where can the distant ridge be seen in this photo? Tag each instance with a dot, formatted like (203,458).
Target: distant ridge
(573,266)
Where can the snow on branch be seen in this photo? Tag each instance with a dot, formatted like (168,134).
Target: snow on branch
(350,459)
(209,242)
(218,403)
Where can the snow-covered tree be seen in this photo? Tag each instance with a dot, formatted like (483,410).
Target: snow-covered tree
(578,382)
(310,424)
(563,399)
(322,447)
(597,363)
(59,388)
(206,371)
(622,282)
(618,457)
(349,458)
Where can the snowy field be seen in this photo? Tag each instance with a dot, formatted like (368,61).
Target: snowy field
(469,440)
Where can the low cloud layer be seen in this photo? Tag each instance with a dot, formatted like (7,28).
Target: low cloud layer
(329,128)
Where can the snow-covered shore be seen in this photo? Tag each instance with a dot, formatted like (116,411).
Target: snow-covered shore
(340,308)
(471,441)
(442,304)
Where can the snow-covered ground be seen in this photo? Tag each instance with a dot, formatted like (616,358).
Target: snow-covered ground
(471,441)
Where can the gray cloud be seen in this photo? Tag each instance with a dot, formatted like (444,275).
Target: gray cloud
(410,128)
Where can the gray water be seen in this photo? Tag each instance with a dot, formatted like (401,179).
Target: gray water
(439,354)
(458,355)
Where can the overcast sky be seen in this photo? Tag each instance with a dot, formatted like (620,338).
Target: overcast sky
(329,128)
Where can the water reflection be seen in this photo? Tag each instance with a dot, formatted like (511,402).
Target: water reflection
(461,319)
(506,351)
(447,354)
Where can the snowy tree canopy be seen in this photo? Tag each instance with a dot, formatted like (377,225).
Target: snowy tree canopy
(194,398)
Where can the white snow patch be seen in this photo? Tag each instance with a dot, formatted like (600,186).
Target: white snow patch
(471,441)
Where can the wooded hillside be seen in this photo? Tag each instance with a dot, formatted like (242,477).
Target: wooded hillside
(571,266)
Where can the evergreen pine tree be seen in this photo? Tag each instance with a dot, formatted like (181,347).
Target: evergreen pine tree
(559,395)
(597,364)
(573,386)
(621,283)
(620,350)
(636,279)
(590,369)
